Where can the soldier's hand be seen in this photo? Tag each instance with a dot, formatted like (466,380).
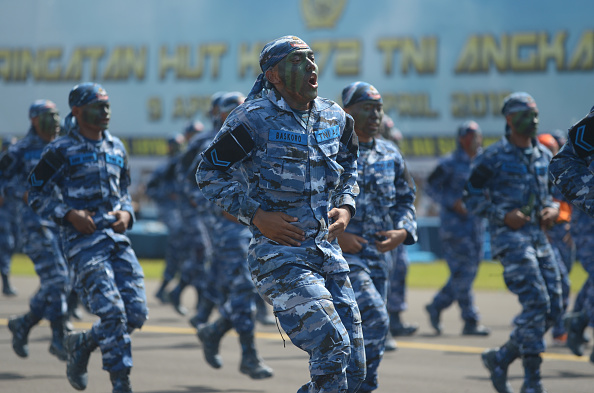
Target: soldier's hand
(548,216)
(515,219)
(277,227)
(1,201)
(459,207)
(394,238)
(122,220)
(341,217)
(351,243)
(81,220)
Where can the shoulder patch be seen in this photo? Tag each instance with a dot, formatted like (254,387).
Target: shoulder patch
(581,135)
(49,164)
(233,146)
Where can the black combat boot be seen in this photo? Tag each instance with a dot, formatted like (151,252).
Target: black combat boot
(175,297)
(576,324)
(20,327)
(73,309)
(79,346)
(251,364)
(120,381)
(161,293)
(399,328)
(203,310)
(434,317)
(7,289)
(210,335)
(472,328)
(497,361)
(532,382)
(58,332)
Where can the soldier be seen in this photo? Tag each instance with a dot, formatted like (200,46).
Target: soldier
(508,185)
(298,153)
(571,171)
(162,189)
(81,183)
(396,301)
(7,232)
(461,233)
(385,219)
(563,246)
(231,278)
(40,236)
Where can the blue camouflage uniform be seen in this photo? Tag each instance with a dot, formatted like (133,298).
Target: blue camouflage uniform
(396,300)
(40,236)
(77,173)
(582,232)
(196,217)
(572,172)
(164,191)
(461,236)
(8,230)
(504,178)
(301,167)
(385,202)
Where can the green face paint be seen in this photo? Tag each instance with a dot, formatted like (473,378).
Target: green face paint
(49,123)
(525,122)
(368,117)
(97,114)
(299,75)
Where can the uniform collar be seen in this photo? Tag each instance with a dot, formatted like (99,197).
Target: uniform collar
(75,133)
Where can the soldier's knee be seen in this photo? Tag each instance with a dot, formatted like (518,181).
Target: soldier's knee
(136,316)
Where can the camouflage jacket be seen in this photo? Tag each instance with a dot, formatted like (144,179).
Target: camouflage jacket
(503,178)
(574,177)
(77,173)
(15,166)
(386,200)
(445,185)
(302,167)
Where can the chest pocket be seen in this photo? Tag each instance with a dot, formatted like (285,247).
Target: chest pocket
(83,172)
(382,178)
(114,165)
(513,180)
(333,169)
(284,167)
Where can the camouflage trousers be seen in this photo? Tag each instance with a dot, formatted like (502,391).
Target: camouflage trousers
(196,243)
(585,254)
(234,282)
(320,316)
(41,244)
(370,294)
(537,283)
(463,255)
(397,287)
(7,243)
(110,283)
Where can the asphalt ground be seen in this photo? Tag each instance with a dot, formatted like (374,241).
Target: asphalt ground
(168,357)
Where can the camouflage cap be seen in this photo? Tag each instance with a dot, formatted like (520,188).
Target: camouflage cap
(359,91)
(230,101)
(272,53)
(41,106)
(517,102)
(467,127)
(86,93)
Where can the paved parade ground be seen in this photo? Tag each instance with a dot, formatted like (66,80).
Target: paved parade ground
(168,357)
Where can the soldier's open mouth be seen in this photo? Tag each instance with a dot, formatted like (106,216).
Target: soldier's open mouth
(313,81)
